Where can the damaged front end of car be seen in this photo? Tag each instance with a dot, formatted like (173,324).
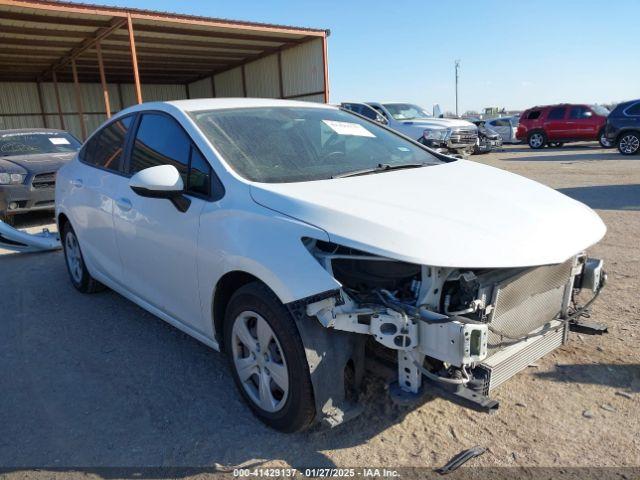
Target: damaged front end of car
(453,332)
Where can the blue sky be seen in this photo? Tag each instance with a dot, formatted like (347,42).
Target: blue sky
(514,53)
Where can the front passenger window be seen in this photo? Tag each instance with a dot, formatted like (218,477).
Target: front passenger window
(160,141)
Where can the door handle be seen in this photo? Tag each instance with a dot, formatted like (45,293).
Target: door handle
(77,182)
(124,204)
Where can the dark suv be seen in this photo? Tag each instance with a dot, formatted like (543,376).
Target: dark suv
(623,127)
(554,125)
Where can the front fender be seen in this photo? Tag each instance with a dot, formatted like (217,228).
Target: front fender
(265,244)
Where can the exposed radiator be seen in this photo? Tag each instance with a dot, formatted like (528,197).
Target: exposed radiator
(526,302)
(506,363)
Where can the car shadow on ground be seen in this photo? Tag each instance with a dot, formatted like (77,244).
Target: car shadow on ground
(563,155)
(94,381)
(607,197)
(625,377)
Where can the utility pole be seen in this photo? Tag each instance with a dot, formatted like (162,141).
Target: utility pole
(457,68)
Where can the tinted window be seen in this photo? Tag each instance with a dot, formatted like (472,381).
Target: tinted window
(535,114)
(160,140)
(105,148)
(556,113)
(368,112)
(33,143)
(579,112)
(379,110)
(634,110)
(199,174)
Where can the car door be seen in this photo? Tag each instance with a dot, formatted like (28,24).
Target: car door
(555,125)
(94,180)
(156,241)
(581,123)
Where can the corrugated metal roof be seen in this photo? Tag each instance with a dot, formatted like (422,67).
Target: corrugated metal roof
(37,36)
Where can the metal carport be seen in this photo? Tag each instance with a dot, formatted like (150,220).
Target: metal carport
(70,66)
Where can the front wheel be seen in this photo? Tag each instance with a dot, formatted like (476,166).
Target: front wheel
(78,273)
(267,359)
(537,140)
(629,143)
(604,141)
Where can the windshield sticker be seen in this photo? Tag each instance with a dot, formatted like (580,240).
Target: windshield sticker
(59,141)
(348,128)
(404,149)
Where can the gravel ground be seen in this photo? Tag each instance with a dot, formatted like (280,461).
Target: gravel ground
(90,381)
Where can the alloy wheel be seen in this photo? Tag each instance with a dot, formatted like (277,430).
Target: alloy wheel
(536,140)
(604,141)
(259,361)
(629,144)
(73,256)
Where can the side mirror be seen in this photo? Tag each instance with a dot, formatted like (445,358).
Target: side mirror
(162,181)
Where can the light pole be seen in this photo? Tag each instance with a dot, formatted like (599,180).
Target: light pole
(457,68)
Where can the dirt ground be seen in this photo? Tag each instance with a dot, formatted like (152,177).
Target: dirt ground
(90,381)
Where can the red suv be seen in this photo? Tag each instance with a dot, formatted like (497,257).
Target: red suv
(553,125)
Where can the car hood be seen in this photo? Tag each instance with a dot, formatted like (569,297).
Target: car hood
(40,163)
(439,122)
(459,214)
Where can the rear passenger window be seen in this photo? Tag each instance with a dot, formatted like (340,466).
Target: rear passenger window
(577,113)
(160,140)
(556,113)
(634,110)
(105,148)
(535,114)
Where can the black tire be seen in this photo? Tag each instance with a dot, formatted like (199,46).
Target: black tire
(629,143)
(81,279)
(8,219)
(298,411)
(602,140)
(537,140)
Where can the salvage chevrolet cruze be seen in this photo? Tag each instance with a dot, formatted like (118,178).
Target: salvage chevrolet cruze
(307,242)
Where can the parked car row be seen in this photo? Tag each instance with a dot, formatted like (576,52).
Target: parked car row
(445,135)
(555,125)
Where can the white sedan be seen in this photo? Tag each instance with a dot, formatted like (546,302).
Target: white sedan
(290,235)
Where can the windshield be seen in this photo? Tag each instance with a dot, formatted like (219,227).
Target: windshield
(33,143)
(600,110)
(281,144)
(406,111)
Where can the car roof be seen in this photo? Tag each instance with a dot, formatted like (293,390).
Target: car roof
(30,130)
(222,103)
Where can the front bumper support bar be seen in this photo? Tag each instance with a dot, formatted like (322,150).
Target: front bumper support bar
(19,241)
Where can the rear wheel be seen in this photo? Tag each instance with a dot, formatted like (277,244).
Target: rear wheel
(537,140)
(629,143)
(267,359)
(78,273)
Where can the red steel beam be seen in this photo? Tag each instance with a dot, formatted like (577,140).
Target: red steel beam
(76,83)
(134,59)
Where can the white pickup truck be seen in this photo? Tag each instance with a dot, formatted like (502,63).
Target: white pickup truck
(446,135)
